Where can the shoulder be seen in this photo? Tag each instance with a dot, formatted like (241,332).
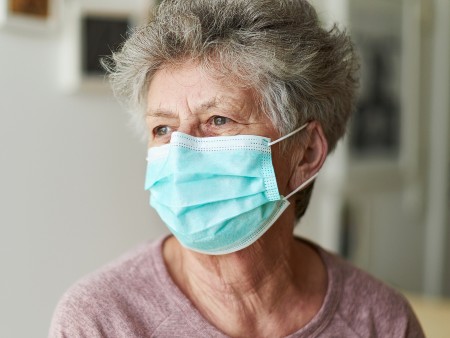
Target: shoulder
(368,306)
(125,295)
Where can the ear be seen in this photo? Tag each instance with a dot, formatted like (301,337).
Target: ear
(312,157)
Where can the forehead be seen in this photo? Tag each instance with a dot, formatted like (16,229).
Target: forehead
(190,85)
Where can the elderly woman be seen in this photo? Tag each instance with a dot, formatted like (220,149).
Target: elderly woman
(242,100)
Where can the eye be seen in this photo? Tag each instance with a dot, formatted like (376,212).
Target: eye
(220,120)
(161,130)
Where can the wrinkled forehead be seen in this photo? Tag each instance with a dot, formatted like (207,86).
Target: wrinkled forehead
(192,83)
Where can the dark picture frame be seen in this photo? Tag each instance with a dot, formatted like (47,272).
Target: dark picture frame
(375,128)
(100,36)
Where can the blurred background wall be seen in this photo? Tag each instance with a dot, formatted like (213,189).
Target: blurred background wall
(384,199)
(72,171)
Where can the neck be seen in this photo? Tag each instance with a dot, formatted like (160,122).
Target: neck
(248,292)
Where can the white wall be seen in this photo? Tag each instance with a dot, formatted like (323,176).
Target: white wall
(71,182)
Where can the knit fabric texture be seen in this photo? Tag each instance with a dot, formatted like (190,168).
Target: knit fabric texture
(136,297)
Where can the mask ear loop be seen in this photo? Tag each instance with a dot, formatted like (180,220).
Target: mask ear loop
(288,135)
(303,185)
(309,180)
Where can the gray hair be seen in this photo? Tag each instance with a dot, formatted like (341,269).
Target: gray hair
(298,70)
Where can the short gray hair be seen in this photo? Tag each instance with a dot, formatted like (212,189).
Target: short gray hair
(298,70)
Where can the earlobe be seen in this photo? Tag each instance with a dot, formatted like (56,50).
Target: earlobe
(313,156)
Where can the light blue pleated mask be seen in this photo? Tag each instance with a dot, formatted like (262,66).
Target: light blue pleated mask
(217,195)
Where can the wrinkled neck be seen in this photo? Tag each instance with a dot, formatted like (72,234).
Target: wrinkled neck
(246,293)
(250,270)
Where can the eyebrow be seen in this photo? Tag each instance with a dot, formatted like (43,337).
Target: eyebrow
(213,103)
(160,113)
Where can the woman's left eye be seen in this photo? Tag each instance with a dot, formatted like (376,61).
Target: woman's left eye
(220,120)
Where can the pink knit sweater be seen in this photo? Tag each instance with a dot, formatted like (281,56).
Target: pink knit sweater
(135,297)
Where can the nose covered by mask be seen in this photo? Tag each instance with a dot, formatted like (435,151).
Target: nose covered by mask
(217,195)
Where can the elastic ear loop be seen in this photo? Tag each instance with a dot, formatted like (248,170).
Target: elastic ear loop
(309,180)
(303,185)
(288,135)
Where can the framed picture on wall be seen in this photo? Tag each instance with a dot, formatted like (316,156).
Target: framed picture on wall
(32,15)
(89,34)
(376,123)
(384,133)
(100,36)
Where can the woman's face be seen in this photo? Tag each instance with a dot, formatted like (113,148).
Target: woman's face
(187,100)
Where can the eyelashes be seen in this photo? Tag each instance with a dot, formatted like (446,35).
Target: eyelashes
(214,124)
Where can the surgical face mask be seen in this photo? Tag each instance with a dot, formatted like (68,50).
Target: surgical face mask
(217,195)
